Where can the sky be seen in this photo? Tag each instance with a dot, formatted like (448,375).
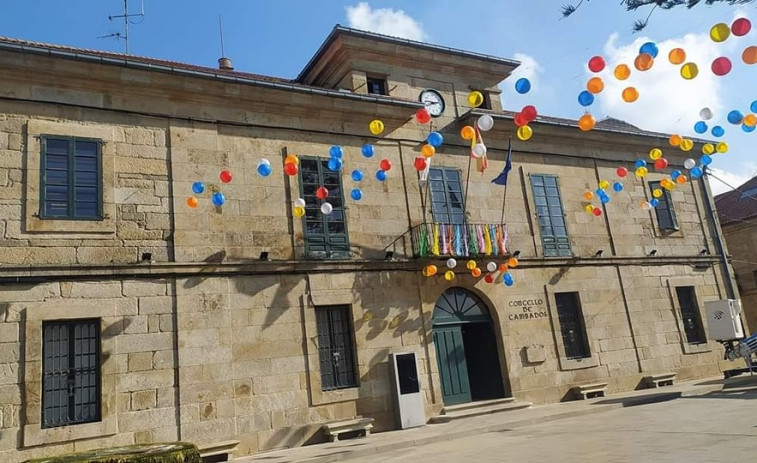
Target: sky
(278,37)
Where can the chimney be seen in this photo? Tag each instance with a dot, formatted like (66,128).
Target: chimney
(225,64)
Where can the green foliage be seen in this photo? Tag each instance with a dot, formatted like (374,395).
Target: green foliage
(178,452)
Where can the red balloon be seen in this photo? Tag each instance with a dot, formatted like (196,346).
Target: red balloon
(597,211)
(741,27)
(422,116)
(321,192)
(291,169)
(385,164)
(596,64)
(489,278)
(529,113)
(225,176)
(661,164)
(420,164)
(721,66)
(622,172)
(520,120)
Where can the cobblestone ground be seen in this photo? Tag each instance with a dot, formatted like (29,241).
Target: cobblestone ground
(718,427)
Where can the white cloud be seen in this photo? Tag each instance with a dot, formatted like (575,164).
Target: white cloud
(733,180)
(385,21)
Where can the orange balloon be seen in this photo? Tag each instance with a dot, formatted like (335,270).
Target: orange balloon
(427,151)
(630,94)
(677,56)
(675,140)
(512,262)
(644,62)
(681,179)
(586,122)
(291,158)
(476,272)
(503,268)
(749,56)
(595,85)
(192,202)
(622,72)
(467,133)
(750,120)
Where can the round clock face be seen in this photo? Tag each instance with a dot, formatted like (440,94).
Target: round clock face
(433,101)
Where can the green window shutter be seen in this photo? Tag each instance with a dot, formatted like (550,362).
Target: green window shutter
(666,215)
(549,212)
(446,193)
(336,349)
(325,235)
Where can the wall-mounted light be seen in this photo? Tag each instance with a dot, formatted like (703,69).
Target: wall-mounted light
(389,255)
(146,257)
(263,255)
(653,252)
(704,252)
(598,253)
(516,254)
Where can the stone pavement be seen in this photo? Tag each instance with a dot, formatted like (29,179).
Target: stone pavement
(709,417)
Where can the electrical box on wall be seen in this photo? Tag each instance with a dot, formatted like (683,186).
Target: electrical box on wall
(724,319)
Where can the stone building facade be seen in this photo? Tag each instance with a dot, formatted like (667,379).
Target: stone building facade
(142,319)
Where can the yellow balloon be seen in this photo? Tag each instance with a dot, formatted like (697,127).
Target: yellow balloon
(604,184)
(449,275)
(470,265)
(641,172)
(589,208)
(687,144)
(657,192)
(524,132)
(669,185)
(721,147)
(475,99)
(622,71)
(298,211)
(708,148)
(720,32)
(689,71)
(655,154)
(376,127)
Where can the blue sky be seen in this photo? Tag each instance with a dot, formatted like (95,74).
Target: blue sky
(278,37)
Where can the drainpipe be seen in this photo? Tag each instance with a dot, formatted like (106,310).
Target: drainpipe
(717,235)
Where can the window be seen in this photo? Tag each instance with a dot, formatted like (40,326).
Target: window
(70,372)
(335,347)
(690,316)
(666,216)
(376,86)
(71,183)
(325,235)
(549,210)
(446,190)
(572,325)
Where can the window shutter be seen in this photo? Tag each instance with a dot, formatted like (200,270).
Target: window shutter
(666,216)
(549,212)
(325,235)
(446,191)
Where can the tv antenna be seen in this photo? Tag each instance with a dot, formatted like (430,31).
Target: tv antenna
(127,20)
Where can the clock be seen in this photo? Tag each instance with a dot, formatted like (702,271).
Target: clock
(433,101)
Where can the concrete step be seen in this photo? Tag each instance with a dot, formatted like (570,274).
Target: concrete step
(484,407)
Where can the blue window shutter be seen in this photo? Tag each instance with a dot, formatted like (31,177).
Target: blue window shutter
(550,215)
(666,215)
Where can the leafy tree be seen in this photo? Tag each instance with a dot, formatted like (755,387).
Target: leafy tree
(633,5)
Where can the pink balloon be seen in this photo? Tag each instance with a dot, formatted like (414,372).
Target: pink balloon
(721,66)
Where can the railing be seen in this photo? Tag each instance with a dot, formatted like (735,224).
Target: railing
(459,240)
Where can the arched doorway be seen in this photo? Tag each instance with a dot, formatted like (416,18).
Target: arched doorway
(466,348)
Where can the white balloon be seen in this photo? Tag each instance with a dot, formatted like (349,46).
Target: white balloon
(479,150)
(299,202)
(327,208)
(706,114)
(689,163)
(264,161)
(647,206)
(491,266)
(451,263)
(485,122)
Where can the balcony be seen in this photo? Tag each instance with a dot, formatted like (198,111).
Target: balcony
(459,240)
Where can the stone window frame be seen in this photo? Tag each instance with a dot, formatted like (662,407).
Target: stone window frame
(566,363)
(36,313)
(672,284)
(35,130)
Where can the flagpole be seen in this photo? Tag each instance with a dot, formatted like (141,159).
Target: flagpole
(504,195)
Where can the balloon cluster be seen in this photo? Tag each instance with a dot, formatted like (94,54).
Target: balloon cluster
(217,198)
(291,165)
(522,119)
(433,141)
(492,268)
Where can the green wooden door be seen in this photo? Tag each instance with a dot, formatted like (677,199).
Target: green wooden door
(453,371)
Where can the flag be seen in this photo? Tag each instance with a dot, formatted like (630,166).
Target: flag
(501,179)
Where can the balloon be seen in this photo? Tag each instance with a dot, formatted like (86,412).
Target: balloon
(741,27)
(643,62)
(529,112)
(687,144)
(675,140)
(485,123)
(696,172)
(705,160)
(689,71)
(689,164)
(661,164)
(336,151)
(717,131)
(321,192)
(467,132)
(597,211)
(617,187)
(604,199)
(749,55)
(489,278)
(681,179)
(520,120)
(385,164)
(600,192)
(491,267)
(218,199)
(706,114)
(192,202)
(649,48)
(720,32)
(586,122)
(298,211)
(522,85)
(367,151)
(357,175)
(356,194)
(677,56)
(299,202)
(588,195)
(621,172)
(589,208)
(435,139)
(327,208)
(700,127)
(476,272)
(431,269)
(451,263)
(381,175)
(641,172)
(264,170)
(657,192)
(524,133)
(595,85)
(721,147)
(654,202)
(750,120)
(427,151)
(479,149)
(449,275)
(420,164)
(470,265)
(291,158)
(708,148)
(655,154)
(604,184)
(596,64)
(475,98)
(645,205)
(622,72)
(585,98)
(376,127)
(198,188)
(423,116)
(643,163)
(735,117)
(675,174)
(721,66)
(508,279)
(747,128)
(630,94)
(289,169)
(335,164)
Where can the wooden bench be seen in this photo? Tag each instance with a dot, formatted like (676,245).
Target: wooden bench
(590,391)
(218,451)
(334,428)
(659,380)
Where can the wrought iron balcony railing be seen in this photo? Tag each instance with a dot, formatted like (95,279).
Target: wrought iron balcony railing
(459,240)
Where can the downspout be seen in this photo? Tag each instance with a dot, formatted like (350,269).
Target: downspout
(717,235)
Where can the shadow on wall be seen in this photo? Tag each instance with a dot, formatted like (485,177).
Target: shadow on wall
(215,258)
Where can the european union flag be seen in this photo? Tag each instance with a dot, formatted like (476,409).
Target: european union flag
(501,179)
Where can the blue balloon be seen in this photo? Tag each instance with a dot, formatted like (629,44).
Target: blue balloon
(617,186)
(747,128)
(356,194)
(700,127)
(696,172)
(650,48)
(335,164)
(717,131)
(600,192)
(218,199)
(753,106)
(336,151)
(605,199)
(675,174)
(640,163)
(435,139)
(654,202)
(735,117)
(523,85)
(381,175)
(264,170)
(198,187)
(508,279)
(367,151)
(585,98)
(357,175)
(706,160)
